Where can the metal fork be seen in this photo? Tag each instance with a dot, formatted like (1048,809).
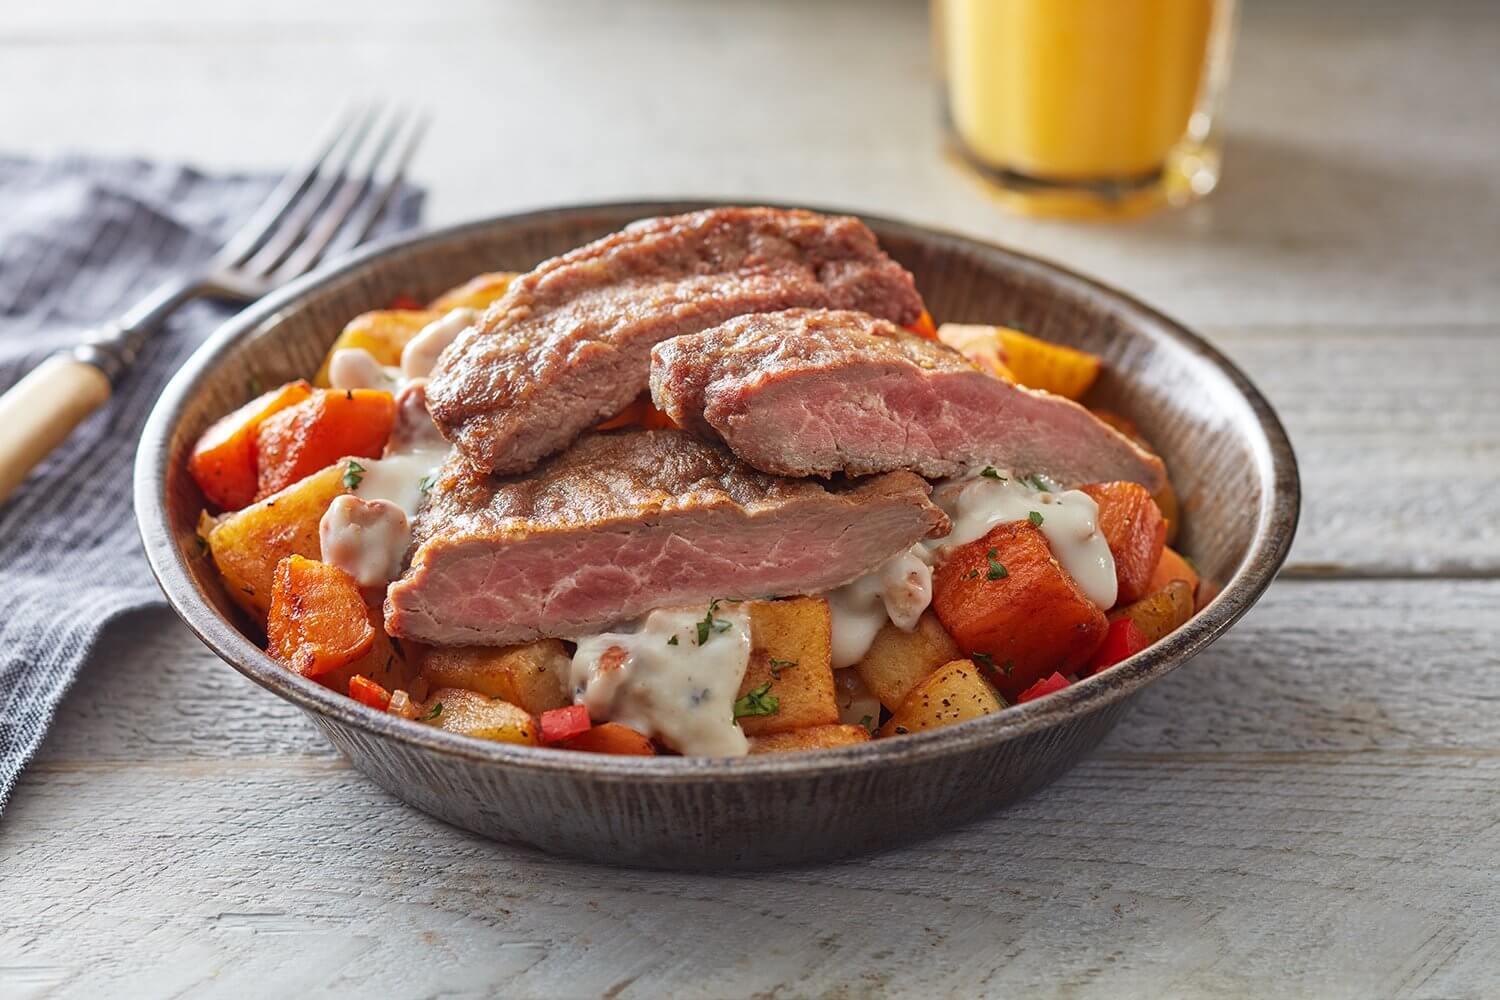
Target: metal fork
(327,207)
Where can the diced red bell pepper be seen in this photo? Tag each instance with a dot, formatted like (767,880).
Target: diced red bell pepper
(559,724)
(1123,640)
(367,692)
(1042,687)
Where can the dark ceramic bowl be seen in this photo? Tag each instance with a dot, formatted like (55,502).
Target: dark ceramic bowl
(1228,455)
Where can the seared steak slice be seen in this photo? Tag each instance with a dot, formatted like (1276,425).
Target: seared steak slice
(625,522)
(569,345)
(816,392)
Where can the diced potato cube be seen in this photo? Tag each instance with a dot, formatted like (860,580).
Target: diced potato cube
(811,738)
(956,692)
(476,293)
(383,333)
(247,544)
(898,660)
(791,650)
(529,676)
(472,714)
(858,705)
(1160,613)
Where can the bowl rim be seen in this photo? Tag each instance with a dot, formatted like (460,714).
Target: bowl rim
(1275,527)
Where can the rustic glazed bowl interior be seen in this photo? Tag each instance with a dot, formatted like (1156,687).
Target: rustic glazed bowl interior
(1227,453)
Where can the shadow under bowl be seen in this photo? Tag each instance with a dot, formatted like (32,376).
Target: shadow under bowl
(1230,459)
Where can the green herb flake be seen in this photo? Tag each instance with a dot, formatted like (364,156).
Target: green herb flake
(1037,483)
(990,472)
(1035,517)
(997,570)
(758,701)
(354,474)
(672,641)
(777,666)
(425,483)
(972,574)
(709,625)
(868,722)
(984,660)
(434,712)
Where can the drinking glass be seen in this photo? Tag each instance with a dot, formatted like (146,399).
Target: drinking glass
(1086,107)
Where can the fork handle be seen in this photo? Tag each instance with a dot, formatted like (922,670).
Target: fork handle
(39,412)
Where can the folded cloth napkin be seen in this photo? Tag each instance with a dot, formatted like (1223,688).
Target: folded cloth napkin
(81,240)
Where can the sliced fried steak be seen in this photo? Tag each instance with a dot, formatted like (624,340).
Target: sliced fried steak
(569,344)
(817,392)
(625,522)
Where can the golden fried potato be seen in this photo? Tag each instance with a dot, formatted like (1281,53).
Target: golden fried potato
(811,738)
(790,667)
(1159,613)
(383,333)
(472,714)
(956,692)
(476,293)
(858,705)
(897,660)
(529,676)
(247,544)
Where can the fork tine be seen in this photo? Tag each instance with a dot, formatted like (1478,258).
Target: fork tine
(290,229)
(350,193)
(255,229)
(374,207)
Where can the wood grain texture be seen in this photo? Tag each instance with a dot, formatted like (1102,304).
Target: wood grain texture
(1300,811)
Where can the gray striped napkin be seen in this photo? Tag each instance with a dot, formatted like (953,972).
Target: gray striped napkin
(80,240)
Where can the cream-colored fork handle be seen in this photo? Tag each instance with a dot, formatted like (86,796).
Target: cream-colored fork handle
(39,412)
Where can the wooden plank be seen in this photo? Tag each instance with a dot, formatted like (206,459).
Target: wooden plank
(1312,807)
(1363,207)
(1398,436)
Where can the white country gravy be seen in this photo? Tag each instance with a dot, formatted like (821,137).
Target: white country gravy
(901,588)
(675,676)
(421,352)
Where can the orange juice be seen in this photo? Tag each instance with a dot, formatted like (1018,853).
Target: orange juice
(1074,90)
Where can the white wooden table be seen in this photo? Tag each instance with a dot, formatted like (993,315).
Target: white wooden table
(1312,808)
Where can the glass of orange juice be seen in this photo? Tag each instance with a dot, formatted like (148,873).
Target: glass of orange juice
(1086,107)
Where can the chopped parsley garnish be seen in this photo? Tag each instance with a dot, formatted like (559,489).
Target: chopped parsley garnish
(672,641)
(1035,517)
(972,574)
(434,712)
(990,472)
(1037,483)
(777,666)
(997,570)
(867,721)
(758,701)
(425,483)
(709,625)
(354,474)
(984,660)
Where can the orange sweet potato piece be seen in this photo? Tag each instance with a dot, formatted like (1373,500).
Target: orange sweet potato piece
(611,737)
(323,428)
(1172,566)
(640,413)
(1133,526)
(223,460)
(1014,610)
(318,620)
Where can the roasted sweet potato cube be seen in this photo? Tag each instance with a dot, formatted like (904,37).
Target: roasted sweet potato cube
(318,620)
(223,461)
(611,737)
(953,693)
(791,650)
(383,664)
(383,333)
(529,676)
(247,545)
(1161,612)
(1041,364)
(476,293)
(1011,607)
(811,738)
(472,714)
(1133,526)
(331,424)
(898,660)
(1172,566)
